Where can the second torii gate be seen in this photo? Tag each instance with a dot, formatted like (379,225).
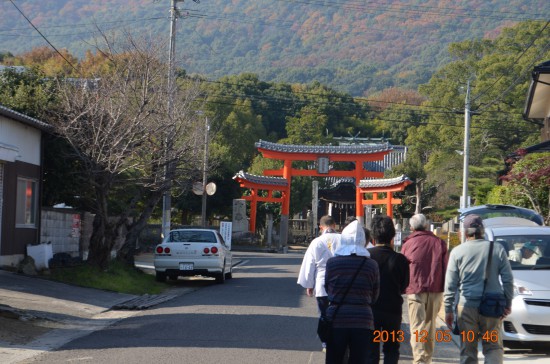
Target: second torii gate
(257,184)
(387,186)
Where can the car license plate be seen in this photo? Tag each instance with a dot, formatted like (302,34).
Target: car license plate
(187,252)
(186,266)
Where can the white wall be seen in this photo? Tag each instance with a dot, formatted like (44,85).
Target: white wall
(25,138)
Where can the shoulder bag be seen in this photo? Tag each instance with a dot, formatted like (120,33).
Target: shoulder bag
(492,304)
(324,327)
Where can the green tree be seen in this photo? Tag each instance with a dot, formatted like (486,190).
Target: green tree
(308,128)
(394,122)
(235,137)
(498,71)
(29,91)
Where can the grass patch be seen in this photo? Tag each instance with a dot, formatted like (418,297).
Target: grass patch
(117,277)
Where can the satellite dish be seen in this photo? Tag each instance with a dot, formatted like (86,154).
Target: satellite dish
(211,188)
(197,188)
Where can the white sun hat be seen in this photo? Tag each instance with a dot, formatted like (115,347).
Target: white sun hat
(352,241)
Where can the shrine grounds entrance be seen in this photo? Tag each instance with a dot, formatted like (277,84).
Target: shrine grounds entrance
(262,188)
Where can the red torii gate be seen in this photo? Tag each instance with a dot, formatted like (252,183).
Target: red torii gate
(280,179)
(387,186)
(261,183)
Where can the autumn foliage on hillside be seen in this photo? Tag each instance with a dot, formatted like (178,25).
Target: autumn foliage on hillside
(356,47)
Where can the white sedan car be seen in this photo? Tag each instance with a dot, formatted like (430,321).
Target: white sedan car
(190,252)
(528,247)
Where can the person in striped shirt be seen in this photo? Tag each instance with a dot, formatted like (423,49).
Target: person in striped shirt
(353,323)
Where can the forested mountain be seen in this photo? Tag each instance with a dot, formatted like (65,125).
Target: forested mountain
(354,46)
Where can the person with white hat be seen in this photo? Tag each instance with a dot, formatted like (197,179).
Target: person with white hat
(352,282)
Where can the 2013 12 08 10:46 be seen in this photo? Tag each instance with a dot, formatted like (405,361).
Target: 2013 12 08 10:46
(440,336)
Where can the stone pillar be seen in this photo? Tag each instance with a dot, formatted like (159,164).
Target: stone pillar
(269,223)
(240,223)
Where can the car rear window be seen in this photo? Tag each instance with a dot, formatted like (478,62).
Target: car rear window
(497,211)
(192,236)
(526,251)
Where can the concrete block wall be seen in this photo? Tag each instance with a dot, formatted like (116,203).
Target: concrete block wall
(69,231)
(63,229)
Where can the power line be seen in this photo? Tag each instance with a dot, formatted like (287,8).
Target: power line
(80,25)
(46,39)
(353,102)
(413,123)
(238,17)
(423,9)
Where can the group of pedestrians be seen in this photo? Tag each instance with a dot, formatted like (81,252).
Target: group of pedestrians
(360,283)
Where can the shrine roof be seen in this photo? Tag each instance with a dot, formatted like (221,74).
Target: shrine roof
(324,149)
(335,182)
(263,180)
(386,182)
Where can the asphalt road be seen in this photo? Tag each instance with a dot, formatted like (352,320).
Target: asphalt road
(259,316)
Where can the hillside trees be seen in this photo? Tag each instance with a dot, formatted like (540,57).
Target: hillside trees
(308,127)
(4,55)
(235,135)
(28,91)
(240,114)
(119,128)
(344,114)
(47,60)
(498,71)
(394,122)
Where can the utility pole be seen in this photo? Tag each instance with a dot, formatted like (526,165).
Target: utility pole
(464,201)
(167,198)
(315,207)
(204,172)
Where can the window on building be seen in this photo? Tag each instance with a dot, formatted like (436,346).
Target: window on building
(26,209)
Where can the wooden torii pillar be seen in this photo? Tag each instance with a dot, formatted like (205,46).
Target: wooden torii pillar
(388,186)
(261,183)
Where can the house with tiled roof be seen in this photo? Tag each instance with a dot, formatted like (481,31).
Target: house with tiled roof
(20,179)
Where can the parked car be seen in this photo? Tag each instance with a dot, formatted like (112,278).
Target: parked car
(489,211)
(528,248)
(193,251)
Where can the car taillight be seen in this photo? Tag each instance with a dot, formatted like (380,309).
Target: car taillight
(214,250)
(161,250)
(206,250)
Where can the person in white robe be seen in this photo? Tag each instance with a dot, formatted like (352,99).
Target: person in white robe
(312,271)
